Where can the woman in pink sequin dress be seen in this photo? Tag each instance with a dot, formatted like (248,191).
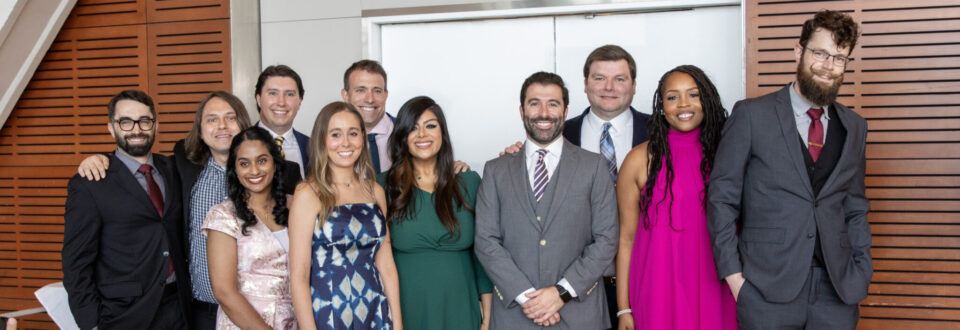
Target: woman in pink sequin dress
(247,238)
(666,277)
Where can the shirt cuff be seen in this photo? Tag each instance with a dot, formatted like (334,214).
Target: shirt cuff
(522,298)
(566,285)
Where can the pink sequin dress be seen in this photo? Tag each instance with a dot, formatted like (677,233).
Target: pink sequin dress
(673,280)
(262,272)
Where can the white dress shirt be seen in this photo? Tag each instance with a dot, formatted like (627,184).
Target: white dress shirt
(550,160)
(621,132)
(291,150)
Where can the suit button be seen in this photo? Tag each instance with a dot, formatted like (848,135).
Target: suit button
(816,204)
(810,235)
(538,218)
(166,254)
(543,242)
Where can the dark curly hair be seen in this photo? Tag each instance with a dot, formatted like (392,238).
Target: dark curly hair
(400,178)
(844,29)
(658,148)
(238,194)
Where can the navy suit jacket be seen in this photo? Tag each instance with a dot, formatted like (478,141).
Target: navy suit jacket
(304,142)
(571,129)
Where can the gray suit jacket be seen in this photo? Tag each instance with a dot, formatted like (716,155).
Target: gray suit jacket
(759,182)
(575,239)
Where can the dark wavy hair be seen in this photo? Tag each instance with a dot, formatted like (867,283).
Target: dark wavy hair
(844,30)
(400,178)
(238,194)
(658,148)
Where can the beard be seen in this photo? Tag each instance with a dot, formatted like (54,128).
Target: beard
(813,90)
(134,150)
(543,136)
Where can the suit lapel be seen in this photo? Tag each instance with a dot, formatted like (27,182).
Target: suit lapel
(521,184)
(128,182)
(160,163)
(844,116)
(566,168)
(788,127)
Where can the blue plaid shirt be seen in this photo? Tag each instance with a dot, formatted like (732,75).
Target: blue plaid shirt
(210,190)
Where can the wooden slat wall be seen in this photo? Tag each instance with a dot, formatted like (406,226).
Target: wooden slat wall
(176,50)
(905,80)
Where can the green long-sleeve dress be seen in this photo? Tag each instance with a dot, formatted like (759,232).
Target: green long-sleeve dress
(440,277)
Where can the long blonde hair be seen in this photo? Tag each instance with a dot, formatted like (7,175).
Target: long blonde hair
(320,176)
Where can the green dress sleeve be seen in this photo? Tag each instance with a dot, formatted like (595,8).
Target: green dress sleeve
(471,183)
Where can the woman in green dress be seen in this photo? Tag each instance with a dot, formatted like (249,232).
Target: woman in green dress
(430,213)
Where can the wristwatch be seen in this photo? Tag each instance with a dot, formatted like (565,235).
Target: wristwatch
(564,295)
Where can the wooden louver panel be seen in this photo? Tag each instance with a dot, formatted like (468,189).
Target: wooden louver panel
(105,46)
(906,82)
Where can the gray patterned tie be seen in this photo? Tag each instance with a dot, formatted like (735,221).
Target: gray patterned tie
(608,152)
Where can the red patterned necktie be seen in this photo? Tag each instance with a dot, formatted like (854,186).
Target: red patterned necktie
(156,197)
(815,133)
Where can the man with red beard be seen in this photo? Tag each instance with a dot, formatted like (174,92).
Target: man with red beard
(123,257)
(787,211)
(546,224)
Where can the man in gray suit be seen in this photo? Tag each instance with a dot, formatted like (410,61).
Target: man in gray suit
(546,224)
(789,172)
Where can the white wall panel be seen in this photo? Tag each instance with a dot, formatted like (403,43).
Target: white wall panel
(319,50)
(706,37)
(474,70)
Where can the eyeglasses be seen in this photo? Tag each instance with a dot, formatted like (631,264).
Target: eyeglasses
(822,56)
(126,124)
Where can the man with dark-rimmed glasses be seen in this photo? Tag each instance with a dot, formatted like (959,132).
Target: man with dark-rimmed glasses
(123,257)
(787,211)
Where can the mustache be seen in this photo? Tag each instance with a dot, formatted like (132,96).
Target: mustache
(132,136)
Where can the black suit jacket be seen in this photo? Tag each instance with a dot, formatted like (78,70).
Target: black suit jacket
(760,184)
(571,129)
(116,248)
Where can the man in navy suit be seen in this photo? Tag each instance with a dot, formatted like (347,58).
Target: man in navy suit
(124,265)
(279,94)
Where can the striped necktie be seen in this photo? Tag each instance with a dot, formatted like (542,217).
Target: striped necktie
(540,176)
(608,152)
(279,141)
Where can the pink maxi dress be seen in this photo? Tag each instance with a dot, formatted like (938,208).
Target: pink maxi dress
(673,280)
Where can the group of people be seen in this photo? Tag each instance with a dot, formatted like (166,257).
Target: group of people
(683,219)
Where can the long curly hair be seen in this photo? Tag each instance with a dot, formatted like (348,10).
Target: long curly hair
(658,147)
(400,178)
(239,195)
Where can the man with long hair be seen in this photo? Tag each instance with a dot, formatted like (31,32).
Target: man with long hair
(787,210)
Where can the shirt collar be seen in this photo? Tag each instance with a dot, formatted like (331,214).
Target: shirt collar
(132,164)
(800,104)
(286,136)
(624,119)
(213,164)
(554,148)
(385,126)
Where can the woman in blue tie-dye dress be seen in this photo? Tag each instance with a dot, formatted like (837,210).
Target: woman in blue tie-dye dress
(342,274)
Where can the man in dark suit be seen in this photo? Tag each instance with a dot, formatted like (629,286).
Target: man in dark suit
(279,94)
(546,222)
(200,164)
(123,255)
(787,211)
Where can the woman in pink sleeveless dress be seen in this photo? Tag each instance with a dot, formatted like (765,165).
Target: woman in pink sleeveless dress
(666,277)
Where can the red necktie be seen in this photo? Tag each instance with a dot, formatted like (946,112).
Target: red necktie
(815,133)
(156,197)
